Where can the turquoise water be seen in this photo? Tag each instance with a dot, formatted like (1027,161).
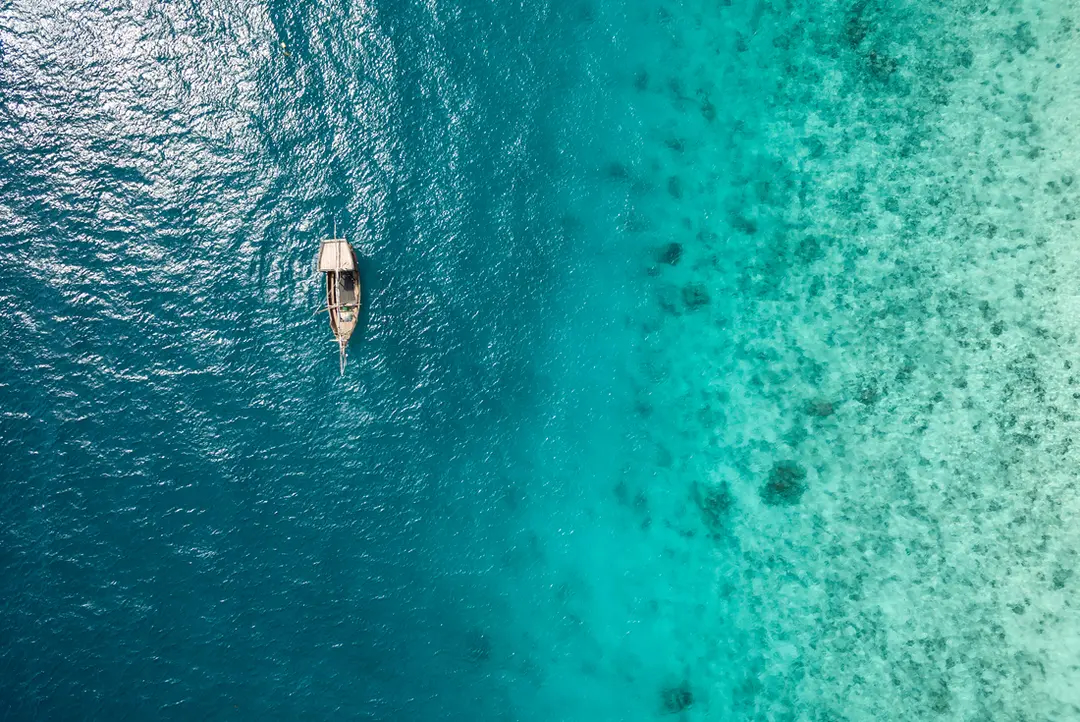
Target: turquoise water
(716,361)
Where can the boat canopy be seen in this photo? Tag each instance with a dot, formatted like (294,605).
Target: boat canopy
(335,255)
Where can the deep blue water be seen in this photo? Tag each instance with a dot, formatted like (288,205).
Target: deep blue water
(714,361)
(201,520)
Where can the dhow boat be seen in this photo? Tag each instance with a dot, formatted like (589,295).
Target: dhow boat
(338,261)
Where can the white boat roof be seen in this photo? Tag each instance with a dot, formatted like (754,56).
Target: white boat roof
(335,254)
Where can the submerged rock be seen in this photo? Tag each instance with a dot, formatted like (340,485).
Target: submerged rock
(786,484)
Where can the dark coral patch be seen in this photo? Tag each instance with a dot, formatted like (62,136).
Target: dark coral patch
(675,144)
(641,81)
(1023,39)
(676,699)
(674,187)
(869,393)
(708,111)
(695,296)
(906,373)
(786,484)
(743,224)
(617,171)
(808,250)
(671,254)
(857,27)
(820,408)
(881,65)
(714,501)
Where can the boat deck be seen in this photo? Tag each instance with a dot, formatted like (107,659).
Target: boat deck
(346,289)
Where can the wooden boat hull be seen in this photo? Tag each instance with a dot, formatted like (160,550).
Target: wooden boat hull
(343,319)
(343,298)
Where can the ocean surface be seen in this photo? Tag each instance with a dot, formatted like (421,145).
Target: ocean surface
(719,360)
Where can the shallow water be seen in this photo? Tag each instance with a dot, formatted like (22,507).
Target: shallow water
(716,361)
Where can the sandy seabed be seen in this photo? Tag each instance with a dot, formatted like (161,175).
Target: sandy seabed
(860,364)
